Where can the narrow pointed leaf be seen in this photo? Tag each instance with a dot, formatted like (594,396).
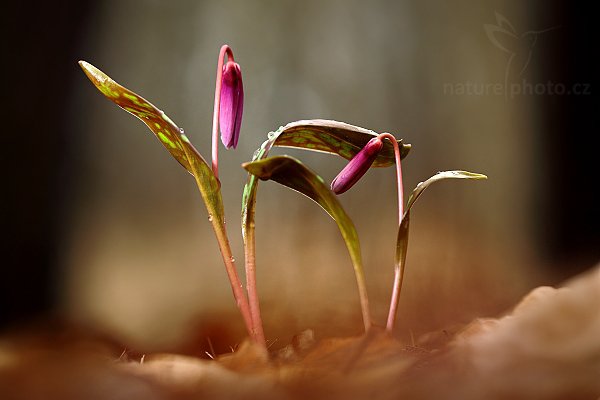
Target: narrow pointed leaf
(402,242)
(157,121)
(169,134)
(402,238)
(438,177)
(290,172)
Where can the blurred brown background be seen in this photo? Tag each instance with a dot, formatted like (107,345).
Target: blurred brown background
(104,228)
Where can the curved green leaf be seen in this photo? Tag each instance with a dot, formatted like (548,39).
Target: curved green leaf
(169,134)
(165,130)
(416,193)
(402,242)
(290,172)
(402,238)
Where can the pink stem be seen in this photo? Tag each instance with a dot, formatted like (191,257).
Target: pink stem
(398,272)
(236,286)
(225,49)
(248,306)
(221,234)
(392,139)
(250,258)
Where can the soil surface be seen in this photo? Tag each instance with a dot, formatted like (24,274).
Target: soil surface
(547,347)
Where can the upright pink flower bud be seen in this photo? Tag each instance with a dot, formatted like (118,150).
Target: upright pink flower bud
(231,104)
(357,167)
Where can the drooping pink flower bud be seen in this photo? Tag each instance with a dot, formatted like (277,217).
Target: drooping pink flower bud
(357,167)
(231,104)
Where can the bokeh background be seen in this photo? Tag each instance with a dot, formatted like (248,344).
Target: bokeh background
(104,229)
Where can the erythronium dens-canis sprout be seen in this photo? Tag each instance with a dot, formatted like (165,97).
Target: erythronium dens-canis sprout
(179,146)
(357,167)
(364,148)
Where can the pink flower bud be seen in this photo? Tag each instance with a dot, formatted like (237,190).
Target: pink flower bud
(231,104)
(357,167)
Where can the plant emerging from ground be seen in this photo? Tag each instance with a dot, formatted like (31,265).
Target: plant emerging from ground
(362,147)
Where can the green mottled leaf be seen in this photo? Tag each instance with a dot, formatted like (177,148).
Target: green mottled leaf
(162,126)
(333,137)
(290,172)
(170,135)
